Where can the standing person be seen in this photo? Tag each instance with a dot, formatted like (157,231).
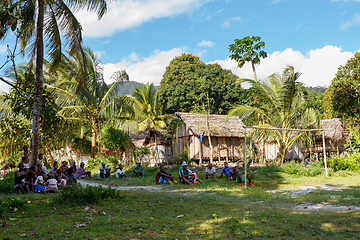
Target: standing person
(105,172)
(163,177)
(81,173)
(185,174)
(138,169)
(226,171)
(19,176)
(210,172)
(120,173)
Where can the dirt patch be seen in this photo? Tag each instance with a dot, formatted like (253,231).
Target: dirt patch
(325,207)
(308,189)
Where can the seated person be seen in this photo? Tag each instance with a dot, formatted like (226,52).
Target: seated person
(120,172)
(54,169)
(81,173)
(226,171)
(163,177)
(60,178)
(197,179)
(105,172)
(38,169)
(71,179)
(138,169)
(25,159)
(28,182)
(19,176)
(40,183)
(52,184)
(63,168)
(210,172)
(40,157)
(236,175)
(185,174)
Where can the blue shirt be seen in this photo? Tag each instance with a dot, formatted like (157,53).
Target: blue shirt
(226,171)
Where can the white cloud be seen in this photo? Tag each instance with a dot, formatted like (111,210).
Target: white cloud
(355,21)
(126,14)
(150,69)
(205,44)
(318,67)
(227,22)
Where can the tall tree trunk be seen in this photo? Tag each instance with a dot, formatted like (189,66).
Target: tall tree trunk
(208,128)
(262,143)
(93,142)
(38,84)
(49,156)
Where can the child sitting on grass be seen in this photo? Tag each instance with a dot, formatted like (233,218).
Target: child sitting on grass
(71,179)
(28,182)
(40,183)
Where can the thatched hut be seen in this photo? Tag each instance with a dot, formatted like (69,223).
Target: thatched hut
(160,147)
(336,135)
(226,136)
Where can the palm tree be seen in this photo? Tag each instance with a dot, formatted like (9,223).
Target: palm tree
(31,20)
(146,108)
(283,106)
(94,103)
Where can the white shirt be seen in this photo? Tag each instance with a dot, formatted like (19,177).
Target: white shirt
(39,180)
(212,170)
(119,172)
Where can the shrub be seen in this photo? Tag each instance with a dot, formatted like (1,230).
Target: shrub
(95,163)
(86,195)
(7,183)
(350,163)
(292,167)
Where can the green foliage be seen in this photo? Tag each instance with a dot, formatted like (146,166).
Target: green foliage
(95,163)
(14,134)
(78,194)
(292,167)
(355,141)
(14,203)
(179,91)
(184,156)
(23,106)
(7,183)
(129,87)
(83,145)
(142,151)
(345,96)
(115,139)
(317,89)
(247,49)
(350,163)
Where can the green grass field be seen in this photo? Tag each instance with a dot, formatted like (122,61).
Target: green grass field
(213,210)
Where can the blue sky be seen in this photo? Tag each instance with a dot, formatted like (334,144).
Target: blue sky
(143,36)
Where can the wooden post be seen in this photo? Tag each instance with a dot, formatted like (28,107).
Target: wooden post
(323,137)
(245,160)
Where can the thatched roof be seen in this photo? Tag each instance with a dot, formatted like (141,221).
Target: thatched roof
(153,134)
(143,138)
(335,129)
(138,139)
(219,127)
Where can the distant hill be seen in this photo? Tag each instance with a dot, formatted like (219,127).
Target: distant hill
(128,88)
(317,89)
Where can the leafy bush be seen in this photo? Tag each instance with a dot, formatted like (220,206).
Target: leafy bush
(7,183)
(95,163)
(350,163)
(292,167)
(86,195)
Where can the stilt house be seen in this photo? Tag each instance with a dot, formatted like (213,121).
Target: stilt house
(195,129)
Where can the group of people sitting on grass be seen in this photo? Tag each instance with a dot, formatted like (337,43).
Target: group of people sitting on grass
(190,177)
(38,179)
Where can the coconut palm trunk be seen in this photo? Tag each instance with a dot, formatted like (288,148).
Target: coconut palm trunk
(39,84)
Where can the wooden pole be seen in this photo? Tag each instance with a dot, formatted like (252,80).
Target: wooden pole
(245,160)
(323,137)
